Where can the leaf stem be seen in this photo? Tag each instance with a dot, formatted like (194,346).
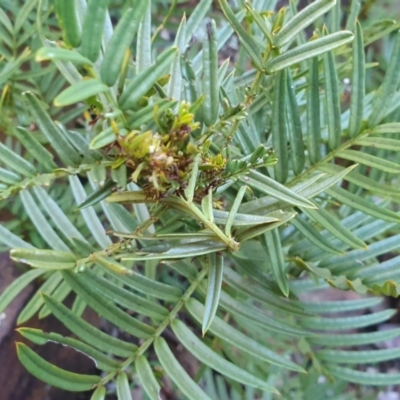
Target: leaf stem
(324,160)
(172,315)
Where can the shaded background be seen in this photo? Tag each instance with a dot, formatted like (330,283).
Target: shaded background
(17,384)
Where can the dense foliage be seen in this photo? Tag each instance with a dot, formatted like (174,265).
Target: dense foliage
(190,199)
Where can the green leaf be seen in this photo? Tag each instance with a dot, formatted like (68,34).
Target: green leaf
(279,128)
(62,147)
(332,225)
(335,17)
(248,43)
(345,323)
(27,255)
(391,127)
(130,197)
(126,298)
(9,177)
(207,356)
(180,251)
(363,378)
(175,371)
(257,230)
(48,53)
(357,83)
(40,222)
(67,68)
(11,240)
(185,269)
(78,307)
(359,203)
(5,21)
(206,206)
(274,189)
(17,286)
(48,265)
(146,114)
(39,337)
(145,80)
(38,152)
(312,234)
(88,332)
(366,230)
(269,204)
(385,286)
(260,293)
(215,272)
(58,217)
(197,17)
(313,113)
(238,339)
(390,83)
(16,162)
(123,388)
(68,19)
(189,190)
(327,307)
(107,136)
(211,102)
(332,101)
(59,294)
(303,19)
(106,308)
(308,50)
(347,261)
(295,133)
(176,77)
(80,142)
(363,181)
(234,209)
(143,42)
(89,215)
(36,301)
(258,317)
(358,339)
(120,41)
(259,20)
(323,184)
(137,281)
(380,273)
(99,393)
(147,378)
(53,375)
(80,91)
(247,138)
(369,160)
(92,28)
(272,244)
(380,143)
(99,194)
(123,215)
(357,357)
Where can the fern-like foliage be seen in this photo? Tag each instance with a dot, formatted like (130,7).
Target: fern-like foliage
(182,196)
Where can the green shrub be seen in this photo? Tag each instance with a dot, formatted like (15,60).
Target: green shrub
(180,195)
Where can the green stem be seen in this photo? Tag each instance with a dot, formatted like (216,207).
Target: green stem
(232,245)
(167,17)
(330,156)
(59,173)
(157,333)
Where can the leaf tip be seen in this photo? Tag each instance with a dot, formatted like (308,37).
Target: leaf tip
(19,345)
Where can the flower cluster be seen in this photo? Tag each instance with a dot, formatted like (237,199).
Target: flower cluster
(160,161)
